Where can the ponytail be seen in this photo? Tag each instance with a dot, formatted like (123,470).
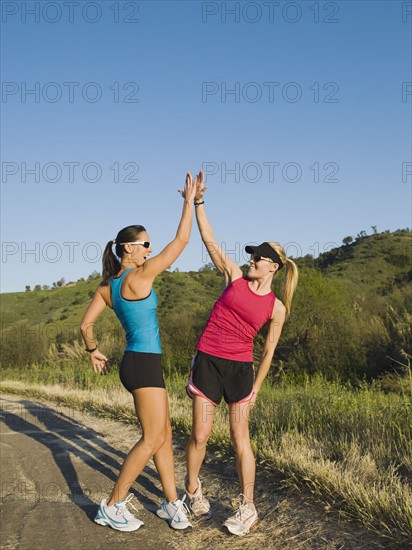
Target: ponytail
(111,264)
(111,261)
(291,281)
(291,277)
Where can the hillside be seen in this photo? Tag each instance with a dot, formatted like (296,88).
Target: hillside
(373,264)
(355,296)
(176,291)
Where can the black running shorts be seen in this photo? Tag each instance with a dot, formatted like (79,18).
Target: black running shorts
(141,370)
(213,377)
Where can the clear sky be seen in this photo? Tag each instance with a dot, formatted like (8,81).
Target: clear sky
(299,113)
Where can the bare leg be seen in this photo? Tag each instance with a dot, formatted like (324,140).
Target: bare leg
(245,460)
(152,411)
(163,460)
(203,414)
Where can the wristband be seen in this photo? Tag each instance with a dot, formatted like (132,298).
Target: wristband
(198,203)
(90,350)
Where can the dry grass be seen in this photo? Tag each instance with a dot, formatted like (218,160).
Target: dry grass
(350,451)
(288,520)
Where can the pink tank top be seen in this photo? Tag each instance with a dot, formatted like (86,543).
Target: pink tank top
(235,319)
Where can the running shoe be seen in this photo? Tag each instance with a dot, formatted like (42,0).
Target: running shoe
(199,504)
(242,521)
(175,513)
(118,516)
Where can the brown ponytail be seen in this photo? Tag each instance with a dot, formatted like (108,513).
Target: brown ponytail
(111,261)
(111,264)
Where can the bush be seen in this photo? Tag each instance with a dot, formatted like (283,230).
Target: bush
(22,344)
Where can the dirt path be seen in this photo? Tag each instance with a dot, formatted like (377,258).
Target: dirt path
(57,463)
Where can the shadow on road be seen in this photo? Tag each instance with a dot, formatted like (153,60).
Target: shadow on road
(70,442)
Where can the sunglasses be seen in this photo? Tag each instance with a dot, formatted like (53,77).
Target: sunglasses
(143,243)
(256,258)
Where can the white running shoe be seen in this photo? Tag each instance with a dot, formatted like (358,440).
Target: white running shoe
(118,516)
(199,504)
(242,521)
(175,513)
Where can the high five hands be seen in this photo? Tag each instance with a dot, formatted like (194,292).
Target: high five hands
(193,190)
(189,190)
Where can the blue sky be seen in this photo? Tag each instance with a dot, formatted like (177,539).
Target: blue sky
(300,113)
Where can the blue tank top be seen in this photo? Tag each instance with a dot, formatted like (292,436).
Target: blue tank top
(138,318)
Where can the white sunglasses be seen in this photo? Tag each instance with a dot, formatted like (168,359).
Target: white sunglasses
(146,244)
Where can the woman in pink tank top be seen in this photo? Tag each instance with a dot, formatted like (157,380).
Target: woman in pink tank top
(223,364)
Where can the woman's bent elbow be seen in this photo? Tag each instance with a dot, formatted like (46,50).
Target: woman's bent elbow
(184,241)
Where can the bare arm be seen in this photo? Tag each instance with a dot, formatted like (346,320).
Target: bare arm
(272,339)
(95,308)
(158,264)
(222,263)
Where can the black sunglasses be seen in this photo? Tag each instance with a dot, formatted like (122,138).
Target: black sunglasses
(143,243)
(256,258)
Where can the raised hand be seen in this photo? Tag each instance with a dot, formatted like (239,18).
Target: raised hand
(200,186)
(189,191)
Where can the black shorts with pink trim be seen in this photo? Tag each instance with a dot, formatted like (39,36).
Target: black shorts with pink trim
(213,378)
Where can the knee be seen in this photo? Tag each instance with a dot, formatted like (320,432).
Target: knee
(155,441)
(240,440)
(159,442)
(199,438)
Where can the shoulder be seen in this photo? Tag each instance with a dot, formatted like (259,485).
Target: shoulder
(137,284)
(235,278)
(239,280)
(134,276)
(279,311)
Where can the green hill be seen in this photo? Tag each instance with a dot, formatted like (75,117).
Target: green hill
(350,316)
(177,291)
(373,264)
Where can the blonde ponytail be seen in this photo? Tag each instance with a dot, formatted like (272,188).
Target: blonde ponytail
(291,281)
(291,276)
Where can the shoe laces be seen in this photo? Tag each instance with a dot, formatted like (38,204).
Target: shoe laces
(122,508)
(182,511)
(198,499)
(242,508)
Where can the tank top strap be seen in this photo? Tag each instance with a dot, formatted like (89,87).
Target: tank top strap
(116,284)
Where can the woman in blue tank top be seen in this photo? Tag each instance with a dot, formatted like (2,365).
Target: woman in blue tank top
(127,288)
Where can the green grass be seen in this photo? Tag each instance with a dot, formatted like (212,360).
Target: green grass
(350,315)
